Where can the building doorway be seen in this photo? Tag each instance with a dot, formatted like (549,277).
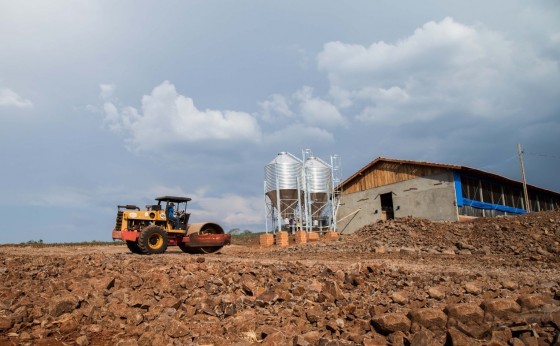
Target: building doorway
(387,211)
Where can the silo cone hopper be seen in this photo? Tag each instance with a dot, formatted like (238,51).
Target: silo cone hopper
(288,202)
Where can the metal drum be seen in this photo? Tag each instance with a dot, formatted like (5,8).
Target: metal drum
(318,177)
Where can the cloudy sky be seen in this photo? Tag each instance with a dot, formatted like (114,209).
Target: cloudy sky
(118,102)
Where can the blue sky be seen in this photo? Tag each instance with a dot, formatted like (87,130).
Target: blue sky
(105,103)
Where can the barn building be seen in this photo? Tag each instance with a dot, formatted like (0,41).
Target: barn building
(389,188)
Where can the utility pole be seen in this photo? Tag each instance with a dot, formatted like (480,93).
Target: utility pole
(525,194)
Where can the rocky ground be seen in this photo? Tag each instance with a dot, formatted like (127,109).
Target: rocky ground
(404,282)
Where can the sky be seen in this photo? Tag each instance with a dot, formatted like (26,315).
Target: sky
(118,102)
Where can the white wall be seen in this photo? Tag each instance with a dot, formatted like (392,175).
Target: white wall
(430,197)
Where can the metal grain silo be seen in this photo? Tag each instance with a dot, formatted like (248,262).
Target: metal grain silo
(318,184)
(281,182)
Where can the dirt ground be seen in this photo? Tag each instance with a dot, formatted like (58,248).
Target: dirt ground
(399,282)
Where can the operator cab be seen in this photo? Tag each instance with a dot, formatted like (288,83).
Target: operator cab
(178,217)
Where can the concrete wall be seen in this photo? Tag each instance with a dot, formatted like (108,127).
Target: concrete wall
(430,197)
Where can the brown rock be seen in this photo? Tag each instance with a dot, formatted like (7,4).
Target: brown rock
(473,288)
(169,302)
(534,301)
(283,295)
(298,291)
(82,340)
(140,300)
(312,337)
(510,285)
(313,286)
(448,251)
(457,338)
(118,310)
(501,307)
(267,298)
(516,342)
(332,326)
(436,293)
(399,298)
(325,297)
(94,328)
(104,283)
(555,317)
(275,339)
(424,338)
(6,323)
(127,342)
(68,326)
(135,318)
(153,338)
(390,323)
(502,335)
(376,340)
(362,325)
(176,329)
(63,305)
(474,330)
(465,312)
(25,336)
(432,319)
(249,287)
(315,314)
(464,246)
(299,340)
(529,339)
(243,321)
(407,251)
(397,339)
(332,288)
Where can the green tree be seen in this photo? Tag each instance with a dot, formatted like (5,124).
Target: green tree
(234,231)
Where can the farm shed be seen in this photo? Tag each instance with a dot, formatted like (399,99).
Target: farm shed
(389,188)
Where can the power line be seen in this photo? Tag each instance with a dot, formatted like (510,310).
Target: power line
(499,163)
(543,155)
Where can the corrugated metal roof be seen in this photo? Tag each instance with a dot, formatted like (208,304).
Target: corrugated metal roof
(441,165)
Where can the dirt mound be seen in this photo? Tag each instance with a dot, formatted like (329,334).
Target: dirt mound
(533,235)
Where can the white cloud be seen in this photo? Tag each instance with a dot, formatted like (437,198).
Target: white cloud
(230,210)
(443,69)
(106,91)
(316,111)
(301,106)
(391,94)
(167,117)
(276,105)
(299,134)
(10,98)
